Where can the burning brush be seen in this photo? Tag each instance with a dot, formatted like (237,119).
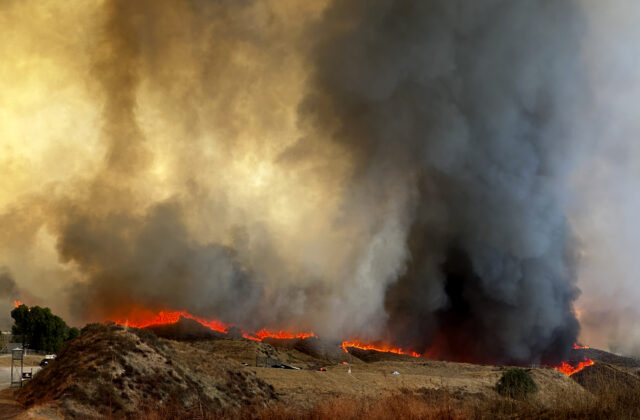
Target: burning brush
(143,318)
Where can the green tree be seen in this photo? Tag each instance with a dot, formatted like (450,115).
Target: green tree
(73,333)
(41,329)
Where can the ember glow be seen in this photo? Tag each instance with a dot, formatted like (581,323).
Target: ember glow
(17,303)
(569,369)
(576,346)
(377,347)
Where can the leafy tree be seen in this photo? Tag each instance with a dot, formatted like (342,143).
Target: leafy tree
(41,329)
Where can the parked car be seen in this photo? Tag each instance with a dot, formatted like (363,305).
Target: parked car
(44,362)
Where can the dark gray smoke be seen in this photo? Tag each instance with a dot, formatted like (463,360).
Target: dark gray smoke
(8,288)
(371,169)
(469,105)
(8,293)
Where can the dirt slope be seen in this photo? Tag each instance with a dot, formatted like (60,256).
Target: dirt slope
(110,369)
(601,376)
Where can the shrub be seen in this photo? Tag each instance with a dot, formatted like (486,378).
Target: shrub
(93,328)
(148,337)
(516,383)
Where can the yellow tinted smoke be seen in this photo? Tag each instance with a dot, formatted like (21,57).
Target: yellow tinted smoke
(116,106)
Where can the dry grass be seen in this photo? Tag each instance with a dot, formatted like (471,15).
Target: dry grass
(131,374)
(428,405)
(116,371)
(307,388)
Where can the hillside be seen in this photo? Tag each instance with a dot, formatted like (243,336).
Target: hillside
(114,370)
(371,371)
(601,376)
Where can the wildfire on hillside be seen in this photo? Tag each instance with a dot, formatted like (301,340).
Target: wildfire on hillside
(263,333)
(142,318)
(569,368)
(377,347)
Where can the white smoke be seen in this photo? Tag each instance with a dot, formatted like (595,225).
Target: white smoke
(607,185)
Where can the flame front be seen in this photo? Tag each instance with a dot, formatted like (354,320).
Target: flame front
(377,347)
(142,318)
(263,333)
(569,369)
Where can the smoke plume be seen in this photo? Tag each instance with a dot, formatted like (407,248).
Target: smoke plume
(379,169)
(8,293)
(459,118)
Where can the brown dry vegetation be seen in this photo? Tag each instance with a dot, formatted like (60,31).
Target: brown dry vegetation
(306,388)
(113,372)
(429,404)
(110,370)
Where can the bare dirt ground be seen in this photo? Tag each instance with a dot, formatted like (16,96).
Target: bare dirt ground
(306,387)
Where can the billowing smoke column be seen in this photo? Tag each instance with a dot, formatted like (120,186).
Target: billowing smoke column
(465,111)
(8,293)
(376,169)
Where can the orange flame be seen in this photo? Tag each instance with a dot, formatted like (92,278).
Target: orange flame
(569,369)
(576,346)
(17,303)
(263,333)
(142,318)
(381,348)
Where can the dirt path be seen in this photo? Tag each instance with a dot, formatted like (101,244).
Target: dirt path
(5,375)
